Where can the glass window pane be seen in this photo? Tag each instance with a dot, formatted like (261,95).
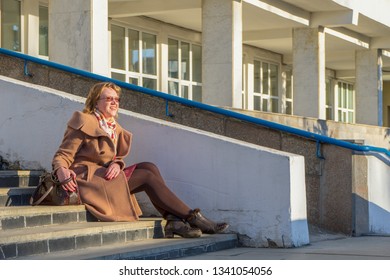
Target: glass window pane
(133,50)
(256,77)
(133,81)
(197,93)
(256,103)
(185,61)
(265,78)
(173,58)
(265,105)
(43,31)
(10,25)
(117,47)
(350,99)
(173,88)
(274,79)
(345,95)
(350,117)
(328,113)
(149,83)
(288,84)
(118,76)
(340,95)
(328,97)
(196,63)
(149,54)
(184,91)
(274,105)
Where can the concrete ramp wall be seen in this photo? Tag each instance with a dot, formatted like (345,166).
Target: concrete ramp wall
(259,191)
(378,195)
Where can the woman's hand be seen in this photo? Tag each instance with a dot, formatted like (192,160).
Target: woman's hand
(63,174)
(112,171)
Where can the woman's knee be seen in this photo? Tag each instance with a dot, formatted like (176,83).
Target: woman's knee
(149,166)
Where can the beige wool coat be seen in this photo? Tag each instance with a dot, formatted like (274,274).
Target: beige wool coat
(88,150)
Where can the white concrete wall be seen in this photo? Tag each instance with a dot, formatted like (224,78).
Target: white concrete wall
(379,195)
(259,191)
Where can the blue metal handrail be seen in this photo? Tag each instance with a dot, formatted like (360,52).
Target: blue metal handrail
(168,97)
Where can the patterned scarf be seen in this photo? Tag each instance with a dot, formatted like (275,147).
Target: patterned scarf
(108,125)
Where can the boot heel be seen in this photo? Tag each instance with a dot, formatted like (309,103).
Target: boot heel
(196,219)
(169,234)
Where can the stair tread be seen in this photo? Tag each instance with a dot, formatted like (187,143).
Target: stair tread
(20,172)
(138,249)
(16,190)
(28,210)
(71,229)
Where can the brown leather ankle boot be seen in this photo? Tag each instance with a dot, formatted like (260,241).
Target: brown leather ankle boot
(196,219)
(179,227)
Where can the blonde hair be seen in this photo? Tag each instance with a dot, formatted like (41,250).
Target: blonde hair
(95,93)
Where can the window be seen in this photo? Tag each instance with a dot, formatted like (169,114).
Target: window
(329,100)
(184,70)
(289,92)
(265,87)
(244,86)
(345,102)
(43,31)
(11,25)
(134,56)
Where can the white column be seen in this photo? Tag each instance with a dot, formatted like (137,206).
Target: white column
(78,34)
(369,87)
(222,52)
(309,72)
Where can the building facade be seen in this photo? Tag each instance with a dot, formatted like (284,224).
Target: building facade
(324,59)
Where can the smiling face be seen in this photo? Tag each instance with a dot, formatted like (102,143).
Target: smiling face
(108,103)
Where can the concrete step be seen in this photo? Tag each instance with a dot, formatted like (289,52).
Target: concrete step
(19,178)
(15,196)
(22,217)
(147,249)
(70,232)
(23,242)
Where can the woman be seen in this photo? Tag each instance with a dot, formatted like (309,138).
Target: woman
(92,153)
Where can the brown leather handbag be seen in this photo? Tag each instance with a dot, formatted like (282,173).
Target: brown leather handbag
(50,192)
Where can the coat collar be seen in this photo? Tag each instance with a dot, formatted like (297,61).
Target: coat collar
(88,124)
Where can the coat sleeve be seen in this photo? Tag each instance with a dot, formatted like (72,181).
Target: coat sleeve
(71,143)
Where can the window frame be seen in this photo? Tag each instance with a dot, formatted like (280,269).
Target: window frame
(180,81)
(129,75)
(266,96)
(344,108)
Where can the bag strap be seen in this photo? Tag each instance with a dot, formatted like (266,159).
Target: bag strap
(42,197)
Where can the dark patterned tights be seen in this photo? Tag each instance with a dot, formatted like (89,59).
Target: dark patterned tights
(146,177)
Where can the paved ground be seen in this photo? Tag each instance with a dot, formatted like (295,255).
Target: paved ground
(322,248)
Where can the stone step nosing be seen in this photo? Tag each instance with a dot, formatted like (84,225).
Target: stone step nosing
(147,249)
(172,253)
(28,210)
(71,229)
(15,246)
(5,173)
(45,219)
(75,242)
